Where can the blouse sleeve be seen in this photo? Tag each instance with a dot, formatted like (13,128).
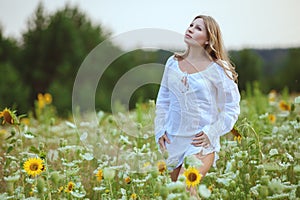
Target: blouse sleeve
(228,98)
(162,106)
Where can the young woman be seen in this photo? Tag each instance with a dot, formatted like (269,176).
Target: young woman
(198,100)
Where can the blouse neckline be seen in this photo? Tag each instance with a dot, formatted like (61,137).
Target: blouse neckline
(195,73)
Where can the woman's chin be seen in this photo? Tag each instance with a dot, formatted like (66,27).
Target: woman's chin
(188,41)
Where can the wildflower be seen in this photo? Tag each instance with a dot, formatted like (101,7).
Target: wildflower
(2,132)
(192,160)
(25,121)
(41,102)
(108,173)
(48,98)
(8,116)
(127,180)
(276,186)
(99,175)
(204,191)
(133,196)
(193,177)
(146,164)
(297,100)
(211,187)
(70,187)
(284,106)
(272,96)
(272,118)
(161,166)
(273,152)
(176,186)
(44,100)
(12,178)
(34,166)
(60,189)
(238,138)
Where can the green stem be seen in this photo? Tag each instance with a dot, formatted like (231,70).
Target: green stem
(258,143)
(110,188)
(47,179)
(22,150)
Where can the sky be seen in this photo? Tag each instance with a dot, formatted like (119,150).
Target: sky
(244,24)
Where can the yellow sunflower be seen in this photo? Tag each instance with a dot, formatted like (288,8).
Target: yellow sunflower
(284,106)
(272,118)
(161,166)
(133,196)
(235,132)
(70,187)
(8,116)
(193,177)
(44,100)
(99,175)
(48,98)
(34,166)
(127,180)
(41,101)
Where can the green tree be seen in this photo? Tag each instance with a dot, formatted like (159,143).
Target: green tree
(248,66)
(289,75)
(9,49)
(53,48)
(13,94)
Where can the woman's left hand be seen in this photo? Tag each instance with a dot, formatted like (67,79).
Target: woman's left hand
(201,140)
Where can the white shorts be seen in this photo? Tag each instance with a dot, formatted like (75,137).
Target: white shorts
(180,147)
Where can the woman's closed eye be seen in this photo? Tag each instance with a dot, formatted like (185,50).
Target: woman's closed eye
(199,28)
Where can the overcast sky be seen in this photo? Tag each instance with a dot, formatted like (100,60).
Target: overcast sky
(248,23)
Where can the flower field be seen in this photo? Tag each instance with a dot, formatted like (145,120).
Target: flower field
(45,157)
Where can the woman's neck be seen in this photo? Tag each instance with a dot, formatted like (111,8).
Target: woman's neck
(197,54)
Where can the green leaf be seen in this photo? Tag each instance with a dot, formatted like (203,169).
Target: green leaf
(12,134)
(9,149)
(13,141)
(29,135)
(34,150)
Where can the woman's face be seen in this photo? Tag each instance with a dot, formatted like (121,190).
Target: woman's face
(196,34)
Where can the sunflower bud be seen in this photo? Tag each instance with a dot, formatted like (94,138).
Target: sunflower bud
(40,185)
(164,192)
(265,180)
(55,177)
(41,146)
(263,191)
(19,142)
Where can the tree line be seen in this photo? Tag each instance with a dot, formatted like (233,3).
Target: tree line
(52,48)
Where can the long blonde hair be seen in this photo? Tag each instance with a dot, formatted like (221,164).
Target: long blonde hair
(215,47)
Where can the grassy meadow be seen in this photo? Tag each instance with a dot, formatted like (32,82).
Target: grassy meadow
(43,156)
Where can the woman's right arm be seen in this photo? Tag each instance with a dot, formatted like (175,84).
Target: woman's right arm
(162,106)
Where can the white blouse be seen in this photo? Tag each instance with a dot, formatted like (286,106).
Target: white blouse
(205,101)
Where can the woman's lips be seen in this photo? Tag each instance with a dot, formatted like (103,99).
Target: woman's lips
(188,36)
